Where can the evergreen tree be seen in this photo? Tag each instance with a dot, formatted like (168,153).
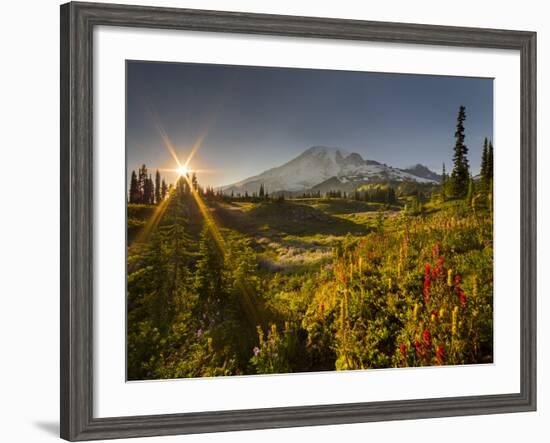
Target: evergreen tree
(163,190)
(181,187)
(142,182)
(261,192)
(158,189)
(135,195)
(148,191)
(461,170)
(484,160)
(194,182)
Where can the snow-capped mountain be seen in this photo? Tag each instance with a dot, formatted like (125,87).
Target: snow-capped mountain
(422,171)
(318,164)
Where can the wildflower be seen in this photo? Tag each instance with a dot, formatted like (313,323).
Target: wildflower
(441,312)
(457,279)
(439,354)
(427,268)
(415,311)
(198,333)
(260,334)
(454,319)
(450,277)
(461,296)
(437,271)
(433,316)
(427,337)
(418,348)
(256,350)
(403,349)
(427,286)
(459,291)
(322,307)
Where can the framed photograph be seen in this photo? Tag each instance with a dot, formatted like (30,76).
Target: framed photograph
(273,221)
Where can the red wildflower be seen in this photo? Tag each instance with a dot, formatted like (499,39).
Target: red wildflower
(322,309)
(461,296)
(435,314)
(427,337)
(418,348)
(459,291)
(439,354)
(427,286)
(439,269)
(427,268)
(403,349)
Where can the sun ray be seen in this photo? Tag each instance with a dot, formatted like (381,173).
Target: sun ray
(212,226)
(183,171)
(153,221)
(196,146)
(165,138)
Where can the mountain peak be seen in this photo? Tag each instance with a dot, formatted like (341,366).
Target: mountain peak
(318,164)
(324,150)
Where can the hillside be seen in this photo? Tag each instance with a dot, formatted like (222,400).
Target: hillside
(307,284)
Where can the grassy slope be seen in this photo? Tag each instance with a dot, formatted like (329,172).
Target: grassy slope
(346,279)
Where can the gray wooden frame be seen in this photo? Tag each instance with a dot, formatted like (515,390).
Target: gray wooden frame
(77,23)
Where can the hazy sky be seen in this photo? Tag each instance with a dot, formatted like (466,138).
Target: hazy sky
(256,118)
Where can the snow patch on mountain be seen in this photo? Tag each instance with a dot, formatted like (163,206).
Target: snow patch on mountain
(318,164)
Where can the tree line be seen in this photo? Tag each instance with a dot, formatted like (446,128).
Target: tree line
(458,184)
(146,191)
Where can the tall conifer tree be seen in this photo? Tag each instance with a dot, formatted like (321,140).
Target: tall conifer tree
(157,187)
(461,169)
(163,190)
(142,182)
(135,195)
(194,182)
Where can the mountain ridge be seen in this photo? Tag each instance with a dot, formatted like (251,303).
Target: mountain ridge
(319,164)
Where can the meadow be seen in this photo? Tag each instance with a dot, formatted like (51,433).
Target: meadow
(220,285)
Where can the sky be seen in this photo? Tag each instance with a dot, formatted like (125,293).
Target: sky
(254,118)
